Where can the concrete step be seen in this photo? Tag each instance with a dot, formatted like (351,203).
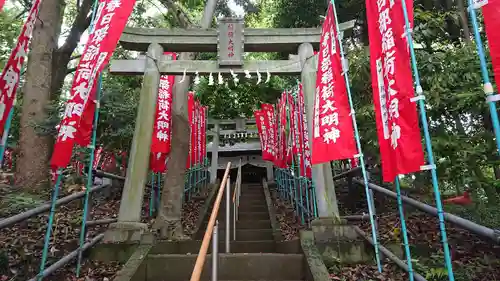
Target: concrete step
(243,234)
(257,198)
(193,246)
(248,234)
(253,202)
(237,266)
(244,216)
(250,208)
(249,224)
(245,208)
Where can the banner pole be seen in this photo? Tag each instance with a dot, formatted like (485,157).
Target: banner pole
(48,232)
(89,174)
(487,87)
(292,171)
(403,230)
(152,194)
(358,144)
(300,113)
(5,136)
(428,146)
(158,192)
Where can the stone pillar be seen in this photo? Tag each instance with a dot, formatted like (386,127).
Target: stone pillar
(215,154)
(129,227)
(322,173)
(240,124)
(270,172)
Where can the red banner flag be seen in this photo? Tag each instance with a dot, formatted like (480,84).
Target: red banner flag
(123,159)
(2,3)
(203,132)
(396,116)
(158,162)
(198,132)
(272,134)
(263,128)
(294,125)
(9,80)
(83,133)
(304,136)
(491,12)
(97,157)
(162,128)
(333,133)
(163,115)
(280,161)
(192,140)
(112,15)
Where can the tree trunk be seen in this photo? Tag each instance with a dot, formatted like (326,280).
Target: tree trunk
(464,21)
(168,221)
(32,165)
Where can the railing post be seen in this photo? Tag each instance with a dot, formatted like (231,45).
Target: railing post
(228,213)
(234,217)
(215,251)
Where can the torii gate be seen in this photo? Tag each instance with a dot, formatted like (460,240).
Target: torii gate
(155,41)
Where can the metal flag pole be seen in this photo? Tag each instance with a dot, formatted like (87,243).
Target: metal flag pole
(295,190)
(89,175)
(158,192)
(92,151)
(48,233)
(487,87)
(299,164)
(358,145)
(428,144)
(302,166)
(403,230)
(152,194)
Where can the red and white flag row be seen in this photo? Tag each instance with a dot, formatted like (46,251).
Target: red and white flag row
(197,115)
(332,130)
(272,123)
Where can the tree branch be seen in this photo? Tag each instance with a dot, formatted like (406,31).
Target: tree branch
(80,24)
(178,13)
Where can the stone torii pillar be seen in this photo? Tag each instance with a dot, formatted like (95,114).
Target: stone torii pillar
(215,153)
(322,173)
(129,226)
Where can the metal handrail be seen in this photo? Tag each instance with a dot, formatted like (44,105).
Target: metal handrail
(236,200)
(212,228)
(45,207)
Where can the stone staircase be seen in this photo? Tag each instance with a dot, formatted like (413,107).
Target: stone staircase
(254,255)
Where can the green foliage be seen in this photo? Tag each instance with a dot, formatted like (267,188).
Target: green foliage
(11,21)
(431,268)
(480,213)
